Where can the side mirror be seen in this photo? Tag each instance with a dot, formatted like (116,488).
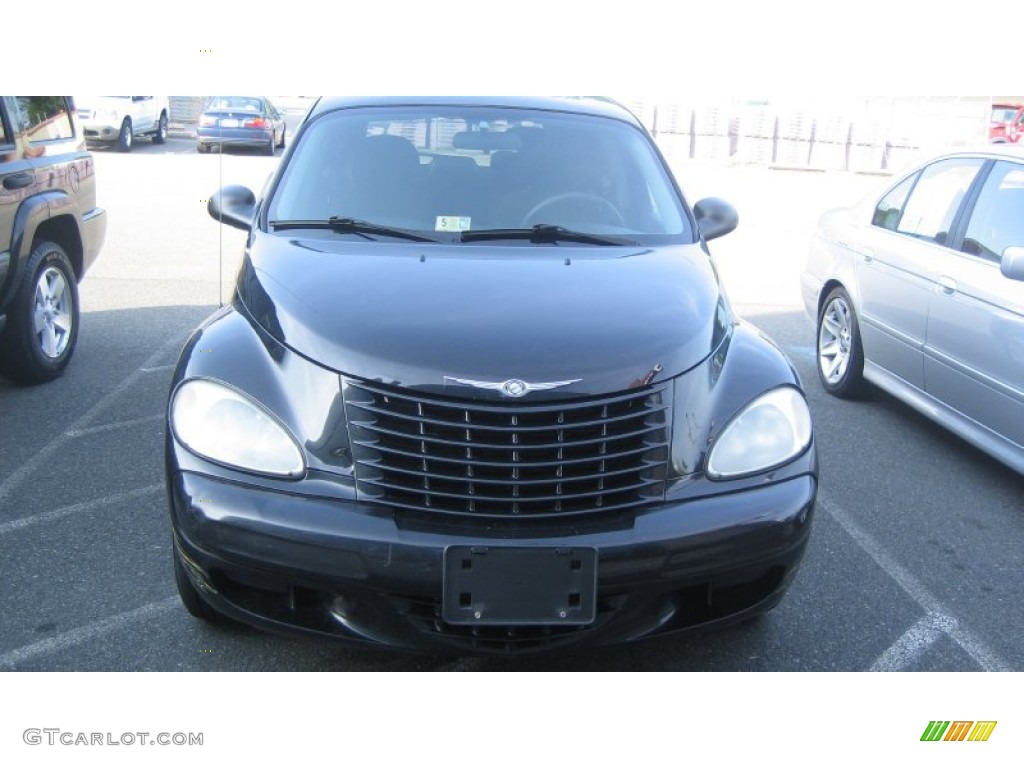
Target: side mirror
(715,217)
(1012,263)
(233,205)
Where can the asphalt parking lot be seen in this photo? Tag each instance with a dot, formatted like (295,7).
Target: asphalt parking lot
(913,564)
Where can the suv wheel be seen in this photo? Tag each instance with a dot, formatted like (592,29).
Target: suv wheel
(43,322)
(125,138)
(161,130)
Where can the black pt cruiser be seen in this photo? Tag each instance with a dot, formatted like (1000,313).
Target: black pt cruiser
(479,390)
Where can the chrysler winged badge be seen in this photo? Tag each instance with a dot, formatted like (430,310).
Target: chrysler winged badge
(511,387)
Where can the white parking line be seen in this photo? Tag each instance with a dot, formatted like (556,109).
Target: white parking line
(73,637)
(971,643)
(56,514)
(987,659)
(912,645)
(113,425)
(19,475)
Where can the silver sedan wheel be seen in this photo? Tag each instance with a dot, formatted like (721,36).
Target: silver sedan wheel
(835,341)
(51,314)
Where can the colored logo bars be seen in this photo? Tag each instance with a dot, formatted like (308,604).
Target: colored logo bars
(958,730)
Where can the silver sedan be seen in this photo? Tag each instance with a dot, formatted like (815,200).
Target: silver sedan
(918,292)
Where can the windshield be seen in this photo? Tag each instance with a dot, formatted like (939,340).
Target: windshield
(1003,114)
(233,103)
(448,171)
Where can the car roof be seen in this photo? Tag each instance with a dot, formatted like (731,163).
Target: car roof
(234,96)
(586,105)
(998,151)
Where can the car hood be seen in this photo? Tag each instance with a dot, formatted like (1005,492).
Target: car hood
(603,318)
(115,103)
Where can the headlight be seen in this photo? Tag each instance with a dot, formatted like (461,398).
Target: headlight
(768,432)
(107,116)
(223,425)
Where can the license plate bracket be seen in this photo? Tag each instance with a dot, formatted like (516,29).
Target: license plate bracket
(518,586)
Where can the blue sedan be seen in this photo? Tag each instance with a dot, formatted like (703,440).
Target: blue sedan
(240,121)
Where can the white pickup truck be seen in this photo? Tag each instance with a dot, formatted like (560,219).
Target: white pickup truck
(122,119)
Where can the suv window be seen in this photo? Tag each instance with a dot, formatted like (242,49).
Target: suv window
(45,117)
(5,133)
(937,197)
(997,220)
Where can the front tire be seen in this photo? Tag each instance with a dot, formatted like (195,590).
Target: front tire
(840,353)
(42,328)
(161,130)
(125,137)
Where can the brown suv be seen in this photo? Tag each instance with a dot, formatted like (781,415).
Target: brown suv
(50,233)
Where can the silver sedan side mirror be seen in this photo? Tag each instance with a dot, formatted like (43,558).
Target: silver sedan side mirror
(1012,263)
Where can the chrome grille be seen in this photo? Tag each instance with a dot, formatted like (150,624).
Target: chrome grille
(428,452)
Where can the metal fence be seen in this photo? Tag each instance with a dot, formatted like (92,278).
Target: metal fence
(185,110)
(852,134)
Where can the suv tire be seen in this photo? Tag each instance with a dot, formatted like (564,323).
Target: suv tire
(161,129)
(42,327)
(125,137)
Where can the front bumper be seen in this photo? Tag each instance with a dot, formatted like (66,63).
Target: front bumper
(101,132)
(361,574)
(810,293)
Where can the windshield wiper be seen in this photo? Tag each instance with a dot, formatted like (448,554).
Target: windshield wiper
(543,233)
(357,226)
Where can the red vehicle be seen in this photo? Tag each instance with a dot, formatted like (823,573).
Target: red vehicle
(1007,125)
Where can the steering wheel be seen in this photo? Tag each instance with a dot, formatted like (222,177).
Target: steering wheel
(603,203)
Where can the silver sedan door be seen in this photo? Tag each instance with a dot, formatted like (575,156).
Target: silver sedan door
(898,260)
(974,355)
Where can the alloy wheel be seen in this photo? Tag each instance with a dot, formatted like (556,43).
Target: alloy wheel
(835,341)
(51,316)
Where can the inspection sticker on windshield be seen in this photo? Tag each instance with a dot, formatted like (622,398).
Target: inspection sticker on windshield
(452,224)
